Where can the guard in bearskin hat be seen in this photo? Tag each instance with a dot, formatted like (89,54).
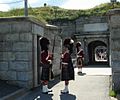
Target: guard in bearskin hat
(46,60)
(80,57)
(67,70)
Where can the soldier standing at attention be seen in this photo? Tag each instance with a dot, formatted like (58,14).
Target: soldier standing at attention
(46,60)
(67,70)
(80,57)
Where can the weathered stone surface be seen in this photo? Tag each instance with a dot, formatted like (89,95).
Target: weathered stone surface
(18,27)
(37,29)
(3,75)
(116,33)
(115,47)
(115,44)
(22,46)
(24,76)
(115,21)
(25,56)
(116,81)
(6,46)
(12,75)
(3,66)
(19,66)
(7,56)
(5,28)
(25,37)
(115,55)
(12,37)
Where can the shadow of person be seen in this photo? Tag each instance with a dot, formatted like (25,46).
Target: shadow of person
(45,97)
(67,97)
(41,96)
(81,74)
(54,82)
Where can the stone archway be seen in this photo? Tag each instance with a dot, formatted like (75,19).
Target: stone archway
(98,52)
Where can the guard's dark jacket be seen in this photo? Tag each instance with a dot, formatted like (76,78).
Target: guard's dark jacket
(45,57)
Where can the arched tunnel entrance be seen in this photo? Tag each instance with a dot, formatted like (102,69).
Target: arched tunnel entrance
(98,53)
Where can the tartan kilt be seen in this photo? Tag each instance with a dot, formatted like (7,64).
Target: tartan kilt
(64,73)
(45,72)
(79,61)
(67,72)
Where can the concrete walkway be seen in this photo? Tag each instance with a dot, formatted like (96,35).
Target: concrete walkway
(86,87)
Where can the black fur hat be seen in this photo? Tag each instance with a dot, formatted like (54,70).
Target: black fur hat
(69,44)
(78,44)
(44,42)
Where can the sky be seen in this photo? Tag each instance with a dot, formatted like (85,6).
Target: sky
(6,5)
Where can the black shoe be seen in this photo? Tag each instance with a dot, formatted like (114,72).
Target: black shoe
(44,92)
(79,73)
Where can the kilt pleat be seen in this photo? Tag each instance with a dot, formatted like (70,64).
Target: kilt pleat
(45,72)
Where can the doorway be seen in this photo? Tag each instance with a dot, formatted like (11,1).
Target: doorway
(98,53)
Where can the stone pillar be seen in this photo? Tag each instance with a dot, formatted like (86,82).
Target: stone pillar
(114,24)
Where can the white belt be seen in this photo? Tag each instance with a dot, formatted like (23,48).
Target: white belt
(64,63)
(79,56)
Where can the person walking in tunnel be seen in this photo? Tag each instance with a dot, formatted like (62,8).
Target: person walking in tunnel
(80,57)
(67,70)
(46,60)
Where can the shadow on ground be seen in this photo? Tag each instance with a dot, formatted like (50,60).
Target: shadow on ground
(6,89)
(67,97)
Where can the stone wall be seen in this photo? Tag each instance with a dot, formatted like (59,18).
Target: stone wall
(114,23)
(18,49)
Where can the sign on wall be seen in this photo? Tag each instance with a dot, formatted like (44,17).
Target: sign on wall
(95,27)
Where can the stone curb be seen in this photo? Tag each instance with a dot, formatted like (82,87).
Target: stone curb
(15,94)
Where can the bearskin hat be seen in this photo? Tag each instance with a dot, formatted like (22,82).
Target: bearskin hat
(69,44)
(78,44)
(44,42)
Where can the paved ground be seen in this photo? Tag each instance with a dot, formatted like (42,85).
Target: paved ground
(90,86)
(6,89)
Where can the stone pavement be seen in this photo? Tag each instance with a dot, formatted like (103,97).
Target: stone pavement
(6,89)
(85,87)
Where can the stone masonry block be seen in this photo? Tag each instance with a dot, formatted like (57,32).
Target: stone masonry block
(24,56)
(22,46)
(3,66)
(5,28)
(24,76)
(115,33)
(6,46)
(116,81)
(12,75)
(12,37)
(3,75)
(115,55)
(21,27)
(19,66)
(115,44)
(25,37)
(115,63)
(115,21)
(7,56)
